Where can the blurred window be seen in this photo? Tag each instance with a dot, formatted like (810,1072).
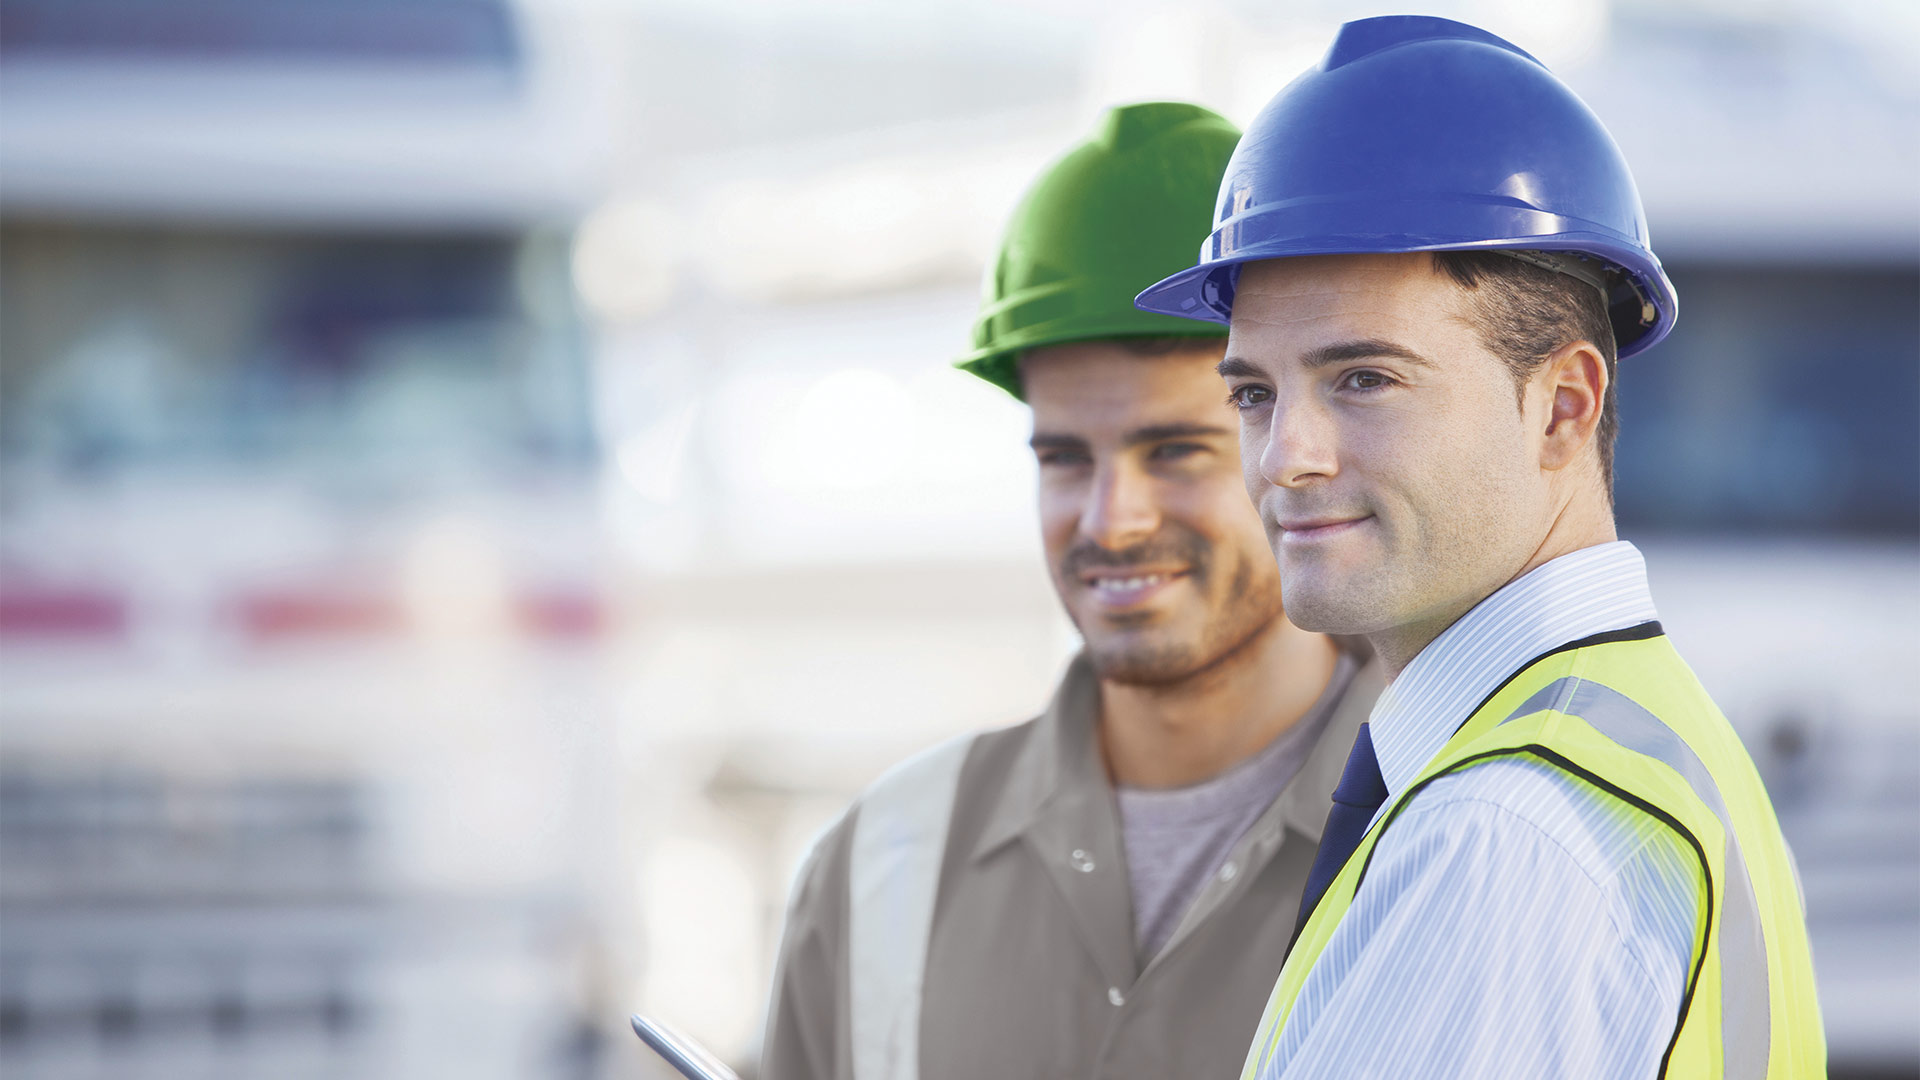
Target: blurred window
(1787,401)
(363,355)
(464,31)
(116,834)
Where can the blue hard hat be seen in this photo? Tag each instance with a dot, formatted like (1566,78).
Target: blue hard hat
(1423,134)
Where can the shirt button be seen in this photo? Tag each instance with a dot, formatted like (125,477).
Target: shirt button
(1081,861)
(1229,871)
(1114,995)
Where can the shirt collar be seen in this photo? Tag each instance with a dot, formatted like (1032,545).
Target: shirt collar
(1058,799)
(1577,595)
(1058,769)
(1059,773)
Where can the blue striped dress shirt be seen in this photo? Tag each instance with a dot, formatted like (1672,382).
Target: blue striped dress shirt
(1515,921)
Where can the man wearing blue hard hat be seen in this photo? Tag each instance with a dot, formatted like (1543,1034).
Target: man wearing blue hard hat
(1549,854)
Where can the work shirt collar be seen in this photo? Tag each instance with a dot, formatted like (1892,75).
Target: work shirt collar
(1577,595)
(1059,799)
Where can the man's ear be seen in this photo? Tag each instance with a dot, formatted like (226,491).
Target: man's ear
(1575,381)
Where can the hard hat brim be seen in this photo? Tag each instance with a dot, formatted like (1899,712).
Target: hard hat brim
(999,363)
(1205,292)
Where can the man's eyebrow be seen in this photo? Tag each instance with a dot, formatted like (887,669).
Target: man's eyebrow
(1163,432)
(1043,440)
(1047,441)
(1365,349)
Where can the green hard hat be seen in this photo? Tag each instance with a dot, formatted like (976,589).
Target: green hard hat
(1122,210)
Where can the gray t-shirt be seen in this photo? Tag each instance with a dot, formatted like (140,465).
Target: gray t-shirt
(1177,838)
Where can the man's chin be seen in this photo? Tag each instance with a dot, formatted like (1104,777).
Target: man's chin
(1144,663)
(1326,611)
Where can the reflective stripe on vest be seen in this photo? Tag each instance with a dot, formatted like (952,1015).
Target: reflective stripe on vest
(899,841)
(1744,1034)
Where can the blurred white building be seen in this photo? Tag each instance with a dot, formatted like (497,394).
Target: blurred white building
(302,593)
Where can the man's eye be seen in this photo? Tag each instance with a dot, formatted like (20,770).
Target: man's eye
(1062,458)
(1368,380)
(1175,451)
(1246,397)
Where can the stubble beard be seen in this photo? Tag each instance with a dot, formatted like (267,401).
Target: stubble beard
(1160,656)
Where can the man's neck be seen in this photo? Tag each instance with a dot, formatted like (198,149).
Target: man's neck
(1187,732)
(1581,525)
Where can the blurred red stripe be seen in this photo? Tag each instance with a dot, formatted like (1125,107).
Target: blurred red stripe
(562,615)
(61,613)
(301,614)
(268,616)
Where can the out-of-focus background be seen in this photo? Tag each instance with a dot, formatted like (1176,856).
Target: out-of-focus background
(481,484)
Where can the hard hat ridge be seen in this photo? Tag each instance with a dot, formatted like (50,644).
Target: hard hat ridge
(1129,127)
(1417,133)
(1364,37)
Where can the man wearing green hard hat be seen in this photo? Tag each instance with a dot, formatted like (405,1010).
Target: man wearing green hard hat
(1107,889)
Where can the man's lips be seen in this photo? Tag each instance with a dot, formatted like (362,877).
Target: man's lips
(1310,530)
(1127,586)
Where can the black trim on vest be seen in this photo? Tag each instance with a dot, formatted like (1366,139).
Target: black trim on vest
(1555,759)
(1642,632)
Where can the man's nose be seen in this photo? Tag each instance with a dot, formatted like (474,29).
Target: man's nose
(1300,443)
(1120,510)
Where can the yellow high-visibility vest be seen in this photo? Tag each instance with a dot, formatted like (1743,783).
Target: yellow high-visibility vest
(1624,713)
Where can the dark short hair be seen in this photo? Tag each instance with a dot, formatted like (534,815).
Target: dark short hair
(1142,344)
(1524,313)
(1168,344)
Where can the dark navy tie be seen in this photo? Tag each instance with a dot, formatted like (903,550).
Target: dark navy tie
(1360,792)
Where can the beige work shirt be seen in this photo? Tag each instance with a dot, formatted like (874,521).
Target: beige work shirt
(1032,968)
